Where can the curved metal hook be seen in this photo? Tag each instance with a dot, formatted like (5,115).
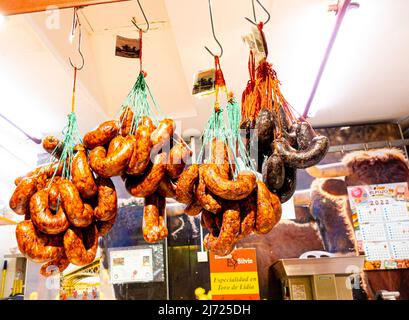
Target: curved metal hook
(147,22)
(254,13)
(76,23)
(214,35)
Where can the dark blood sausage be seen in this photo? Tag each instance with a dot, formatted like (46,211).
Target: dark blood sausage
(162,134)
(81,244)
(305,134)
(50,144)
(78,213)
(43,217)
(104,226)
(154,225)
(302,159)
(248,210)
(268,209)
(141,154)
(193,209)
(225,242)
(178,157)
(185,184)
(147,184)
(273,172)
(265,128)
(127,122)
(102,135)
(36,245)
(229,189)
(205,199)
(82,176)
(208,221)
(289,186)
(20,200)
(114,163)
(106,209)
(167,188)
(57,265)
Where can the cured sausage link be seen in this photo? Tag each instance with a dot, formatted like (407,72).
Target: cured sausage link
(60,263)
(114,163)
(78,214)
(141,155)
(268,209)
(206,200)
(42,216)
(302,159)
(154,225)
(185,184)
(82,176)
(146,185)
(35,245)
(20,200)
(102,135)
(81,245)
(229,189)
(107,207)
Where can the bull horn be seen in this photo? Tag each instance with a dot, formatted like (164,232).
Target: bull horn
(331,170)
(302,197)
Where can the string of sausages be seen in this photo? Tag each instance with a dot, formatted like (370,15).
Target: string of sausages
(284,141)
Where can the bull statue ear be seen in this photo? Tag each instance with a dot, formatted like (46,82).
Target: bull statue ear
(331,170)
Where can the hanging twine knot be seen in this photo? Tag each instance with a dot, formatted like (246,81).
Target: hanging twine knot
(219,78)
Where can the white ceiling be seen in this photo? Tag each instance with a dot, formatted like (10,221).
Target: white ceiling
(365,79)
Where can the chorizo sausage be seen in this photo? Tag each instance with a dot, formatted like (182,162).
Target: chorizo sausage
(43,218)
(225,242)
(220,156)
(104,226)
(78,213)
(248,209)
(186,181)
(229,189)
(53,146)
(48,169)
(193,209)
(141,154)
(167,188)
(107,200)
(205,199)
(268,209)
(54,194)
(20,200)
(102,135)
(147,122)
(147,184)
(127,122)
(208,221)
(60,263)
(81,244)
(82,176)
(154,226)
(302,159)
(178,157)
(273,172)
(162,134)
(36,245)
(114,163)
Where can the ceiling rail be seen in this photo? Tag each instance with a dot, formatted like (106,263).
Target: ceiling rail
(13,7)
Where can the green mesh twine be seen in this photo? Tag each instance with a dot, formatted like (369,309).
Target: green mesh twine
(234,138)
(137,101)
(71,137)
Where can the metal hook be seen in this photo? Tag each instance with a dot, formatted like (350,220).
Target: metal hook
(76,23)
(214,35)
(144,16)
(254,13)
